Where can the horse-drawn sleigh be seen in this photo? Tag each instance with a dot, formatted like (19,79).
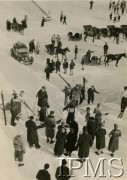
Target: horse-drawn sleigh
(75,37)
(53,50)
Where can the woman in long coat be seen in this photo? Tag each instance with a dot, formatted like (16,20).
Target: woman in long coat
(84,144)
(60,141)
(32,136)
(114,140)
(50,125)
(71,141)
(100,139)
(47,71)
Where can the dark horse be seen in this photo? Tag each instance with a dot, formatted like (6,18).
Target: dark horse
(62,51)
(114,57)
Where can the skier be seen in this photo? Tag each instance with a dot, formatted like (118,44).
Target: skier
(15,107)
(91,4)
(76,52)
(43,174)
(65,20)
(58,64)
(65,66)
(50,125)
(100,139)
(72,65)
(114,140)
(32,136)
(42,22)
(19,147)
(91,92)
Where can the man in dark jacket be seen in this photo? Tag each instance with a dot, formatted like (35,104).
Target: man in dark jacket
(42,94)
(91,4)
(91,92)
(100,139)
(65,66)
(43,111)
(43,174)
(32,136)
(58,64)
(91,126)
(76,52)
(31,46)
(105,47)
(84,143)
(72,65)
(62,172)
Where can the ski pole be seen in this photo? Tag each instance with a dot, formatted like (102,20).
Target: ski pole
(34,104)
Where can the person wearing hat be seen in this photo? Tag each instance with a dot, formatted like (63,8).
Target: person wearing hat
(43,174)
(105,47)
(114,140)
(91,126)
(15,105)
(75,51)
(65,66)
(90,93)
(50,125)
(32,136)
(19,147)
(62,172)
(84,143)
(57,65)
(60,140)
(100,139)
(72,65)
(41,95)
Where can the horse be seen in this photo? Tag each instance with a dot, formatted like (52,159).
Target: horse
(62,51)
(114,57)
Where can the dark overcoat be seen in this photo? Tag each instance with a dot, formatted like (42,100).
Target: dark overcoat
(50,124)
(71,141)
(100,138)
(114,140)
(32,136)
(60,143)
(64,170)
(84,144)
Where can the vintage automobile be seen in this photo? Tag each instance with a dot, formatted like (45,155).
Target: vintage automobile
(20,52)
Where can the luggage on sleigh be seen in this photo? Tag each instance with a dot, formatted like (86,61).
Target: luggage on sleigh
(94,61)
(50,49)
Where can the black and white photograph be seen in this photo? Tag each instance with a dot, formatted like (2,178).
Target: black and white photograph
(63,89)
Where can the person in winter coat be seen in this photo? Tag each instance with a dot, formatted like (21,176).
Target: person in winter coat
(37,48)
(50,125)
(91,126)
(98,114)
(75,52)
(65,20)
(74,125)
(66,92)
(110,16)
(43,111)
(15,106)
(60,141)
(58,64)
(84,143)
(32,136)
(8,25)
(53,39)
(14,20)
(100,139)
(31,46)
(71,112)
(91,4)
(72,65)
(71,140)
(91,92)
(52,66)
(105,47)
(62,172)
(61,16)
(114,140)
(42,22)
(87,116)
(47,71)
(43,174)
(42,95)
(20,149)
(65,66)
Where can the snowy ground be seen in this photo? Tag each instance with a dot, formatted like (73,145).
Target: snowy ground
(109,81)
